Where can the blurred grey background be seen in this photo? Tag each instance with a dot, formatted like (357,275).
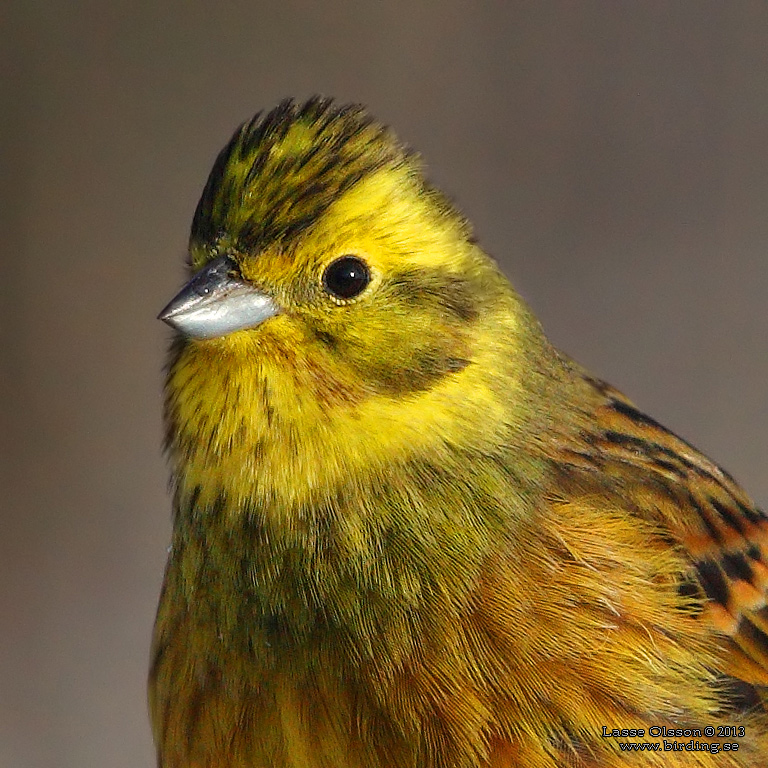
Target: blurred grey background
(613,156)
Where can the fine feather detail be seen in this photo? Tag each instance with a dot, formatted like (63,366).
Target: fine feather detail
(724,534)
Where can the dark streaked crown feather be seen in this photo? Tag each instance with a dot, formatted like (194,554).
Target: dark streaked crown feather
(281,171)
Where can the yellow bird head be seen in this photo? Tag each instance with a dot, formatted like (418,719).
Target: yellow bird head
(340,311)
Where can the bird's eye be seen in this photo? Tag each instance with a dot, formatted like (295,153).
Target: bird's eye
(346,277)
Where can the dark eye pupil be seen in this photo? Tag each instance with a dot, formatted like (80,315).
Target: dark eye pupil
(346,277)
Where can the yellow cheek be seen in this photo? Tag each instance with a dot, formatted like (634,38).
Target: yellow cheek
(270,415)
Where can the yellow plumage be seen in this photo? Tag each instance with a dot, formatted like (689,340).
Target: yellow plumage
(407,531)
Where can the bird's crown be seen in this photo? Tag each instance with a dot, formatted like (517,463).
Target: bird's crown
(282,170)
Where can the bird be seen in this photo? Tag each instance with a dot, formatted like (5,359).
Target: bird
(408,532)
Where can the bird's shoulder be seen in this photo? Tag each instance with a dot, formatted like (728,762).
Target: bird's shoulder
(698,508)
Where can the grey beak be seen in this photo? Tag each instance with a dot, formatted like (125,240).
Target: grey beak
(217,301)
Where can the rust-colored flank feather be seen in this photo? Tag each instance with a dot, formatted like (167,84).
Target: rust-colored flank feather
(723,533)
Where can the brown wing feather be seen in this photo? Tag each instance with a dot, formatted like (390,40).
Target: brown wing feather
(722,531)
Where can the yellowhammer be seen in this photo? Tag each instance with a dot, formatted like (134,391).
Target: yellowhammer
(408,533)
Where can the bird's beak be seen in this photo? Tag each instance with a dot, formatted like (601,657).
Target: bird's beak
(217,301)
